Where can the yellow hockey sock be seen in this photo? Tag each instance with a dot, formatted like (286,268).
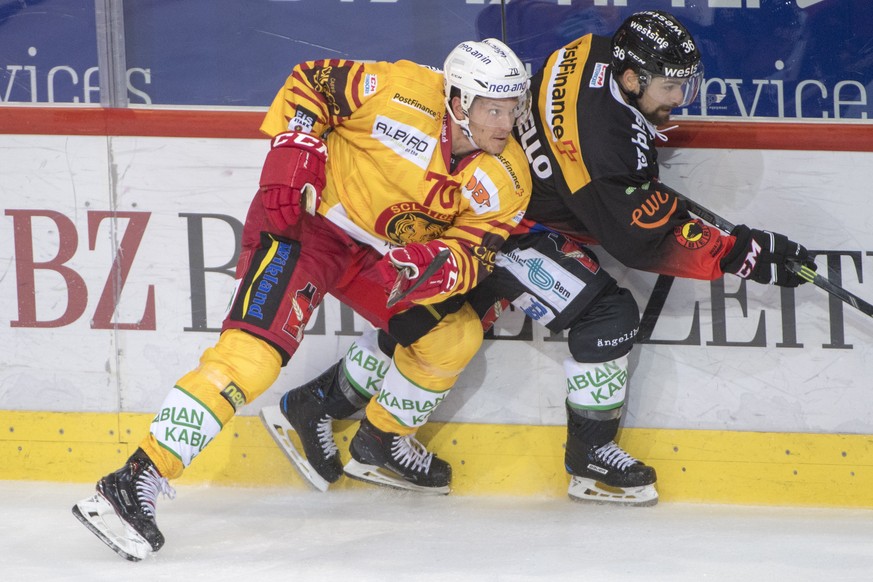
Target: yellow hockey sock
(238,369)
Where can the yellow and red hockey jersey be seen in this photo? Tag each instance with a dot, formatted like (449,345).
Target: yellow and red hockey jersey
(389,169)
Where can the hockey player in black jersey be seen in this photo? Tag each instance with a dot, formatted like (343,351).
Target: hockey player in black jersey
(590,143)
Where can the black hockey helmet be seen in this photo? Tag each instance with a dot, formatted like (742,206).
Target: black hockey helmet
(654,43)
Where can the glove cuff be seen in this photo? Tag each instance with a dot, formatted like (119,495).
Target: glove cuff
(304,141)
(288,152)
(735,259)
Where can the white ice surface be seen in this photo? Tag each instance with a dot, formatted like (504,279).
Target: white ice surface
(230,534)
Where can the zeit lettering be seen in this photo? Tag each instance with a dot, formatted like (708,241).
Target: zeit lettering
(719,310)
(76,288)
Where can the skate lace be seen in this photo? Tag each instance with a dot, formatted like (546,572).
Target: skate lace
(411,453)
(325,437)
(614,455)
(149,484)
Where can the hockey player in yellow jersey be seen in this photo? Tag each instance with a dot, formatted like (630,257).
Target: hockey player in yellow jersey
(381,178)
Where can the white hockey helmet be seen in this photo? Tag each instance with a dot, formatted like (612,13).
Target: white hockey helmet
(489,69)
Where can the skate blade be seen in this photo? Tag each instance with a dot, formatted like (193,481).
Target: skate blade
(129,545)
(281,430)
(589,490)
(384,478)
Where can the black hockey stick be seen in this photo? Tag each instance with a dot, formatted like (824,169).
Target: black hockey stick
(803,272)
(404,274)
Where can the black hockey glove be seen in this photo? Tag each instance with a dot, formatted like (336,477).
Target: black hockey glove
(763,257)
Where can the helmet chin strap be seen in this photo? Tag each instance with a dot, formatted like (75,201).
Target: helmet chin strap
(465,128)
(633,98)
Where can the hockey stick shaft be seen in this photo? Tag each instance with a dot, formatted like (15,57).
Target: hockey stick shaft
(435,265)
(803,272)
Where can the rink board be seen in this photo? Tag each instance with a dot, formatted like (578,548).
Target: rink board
(739,394)
(692,465)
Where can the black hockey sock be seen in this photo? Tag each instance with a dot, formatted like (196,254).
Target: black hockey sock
(589,431)
(329,389)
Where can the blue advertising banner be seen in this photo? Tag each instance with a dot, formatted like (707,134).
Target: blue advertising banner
(763,58)
(48,52)
(793,59)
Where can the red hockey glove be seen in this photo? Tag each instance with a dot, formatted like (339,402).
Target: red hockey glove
(293,177)
(415,257)
(763,256)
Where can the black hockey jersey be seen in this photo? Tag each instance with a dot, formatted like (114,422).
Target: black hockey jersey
(595,170)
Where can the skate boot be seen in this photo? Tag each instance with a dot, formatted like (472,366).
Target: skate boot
(396,461)
(130,494)
(301,413)
(607,474)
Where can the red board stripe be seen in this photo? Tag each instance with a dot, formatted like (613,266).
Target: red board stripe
(145,122)
(245,124)
(836,137)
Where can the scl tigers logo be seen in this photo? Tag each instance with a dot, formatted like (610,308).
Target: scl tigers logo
(406,223)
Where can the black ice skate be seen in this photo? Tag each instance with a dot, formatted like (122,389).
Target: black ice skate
(301,413)
(607,474)
(396,461)
(130,495)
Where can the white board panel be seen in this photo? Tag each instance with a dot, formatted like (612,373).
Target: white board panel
(182,196)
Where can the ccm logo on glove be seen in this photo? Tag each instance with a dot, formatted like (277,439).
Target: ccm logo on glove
(751,260)
(293,177)
(764,257)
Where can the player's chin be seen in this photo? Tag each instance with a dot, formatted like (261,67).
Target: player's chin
(659,117)
(496,145)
